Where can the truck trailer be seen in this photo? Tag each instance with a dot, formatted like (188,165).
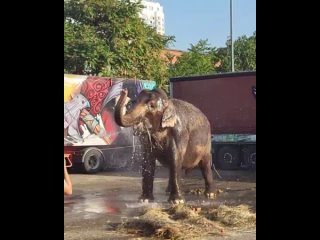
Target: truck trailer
(92,139)
(229,102)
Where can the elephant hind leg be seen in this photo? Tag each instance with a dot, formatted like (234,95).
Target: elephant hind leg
(205,167)
(168,189)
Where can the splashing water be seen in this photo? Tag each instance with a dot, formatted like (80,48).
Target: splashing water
(149,135)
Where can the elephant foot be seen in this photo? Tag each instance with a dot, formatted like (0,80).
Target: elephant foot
(176,200)
(211,191)
(210,194)
(146,199)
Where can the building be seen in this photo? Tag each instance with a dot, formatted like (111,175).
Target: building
(171,55)
(153,15)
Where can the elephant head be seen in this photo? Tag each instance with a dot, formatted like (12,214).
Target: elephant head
(152,108)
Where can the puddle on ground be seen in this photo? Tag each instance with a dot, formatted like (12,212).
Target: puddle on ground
(117,205)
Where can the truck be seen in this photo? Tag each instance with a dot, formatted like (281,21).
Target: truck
(92,139)
(229,102)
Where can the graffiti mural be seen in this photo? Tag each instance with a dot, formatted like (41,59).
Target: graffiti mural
(89,109)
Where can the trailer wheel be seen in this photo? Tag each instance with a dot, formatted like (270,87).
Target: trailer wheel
(249,157)
(228,158)
(92,160)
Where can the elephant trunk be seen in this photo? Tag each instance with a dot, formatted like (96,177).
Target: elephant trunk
(122,119)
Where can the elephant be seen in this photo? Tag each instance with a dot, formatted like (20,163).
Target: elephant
(172,131)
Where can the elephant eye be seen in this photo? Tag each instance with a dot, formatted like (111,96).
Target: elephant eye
(130,104)
(152,105)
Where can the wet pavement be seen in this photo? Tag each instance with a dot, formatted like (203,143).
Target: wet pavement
(102,200)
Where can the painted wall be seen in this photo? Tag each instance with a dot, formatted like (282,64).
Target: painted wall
(89,109)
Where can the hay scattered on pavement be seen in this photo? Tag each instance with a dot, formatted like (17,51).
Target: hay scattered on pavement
(177,222)
(236,217)
(186,222)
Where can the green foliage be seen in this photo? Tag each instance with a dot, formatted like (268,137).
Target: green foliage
(107,37)
(244,55)
(199,59)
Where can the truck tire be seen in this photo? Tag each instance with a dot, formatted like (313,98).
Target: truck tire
(92,160)
(249,157)
(228,158)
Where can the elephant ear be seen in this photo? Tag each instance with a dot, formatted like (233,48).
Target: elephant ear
(169,117)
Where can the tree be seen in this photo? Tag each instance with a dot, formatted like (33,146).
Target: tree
(224,60)
(84,51)
(199,59)
(244,55)
(107,37)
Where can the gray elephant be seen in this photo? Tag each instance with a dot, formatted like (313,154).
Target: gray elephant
(174,132)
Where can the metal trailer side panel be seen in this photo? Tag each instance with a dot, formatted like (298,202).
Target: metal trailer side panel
(226,99)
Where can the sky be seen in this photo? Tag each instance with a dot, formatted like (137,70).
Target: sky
(189,21)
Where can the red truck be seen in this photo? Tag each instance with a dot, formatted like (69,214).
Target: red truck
(229,102)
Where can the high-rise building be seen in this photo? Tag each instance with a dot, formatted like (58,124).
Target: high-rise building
(153,15)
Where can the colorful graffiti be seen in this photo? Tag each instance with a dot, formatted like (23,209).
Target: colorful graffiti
(89,108)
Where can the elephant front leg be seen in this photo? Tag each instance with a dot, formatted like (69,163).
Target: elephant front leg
(168,189)
(175,172)
(148,169)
